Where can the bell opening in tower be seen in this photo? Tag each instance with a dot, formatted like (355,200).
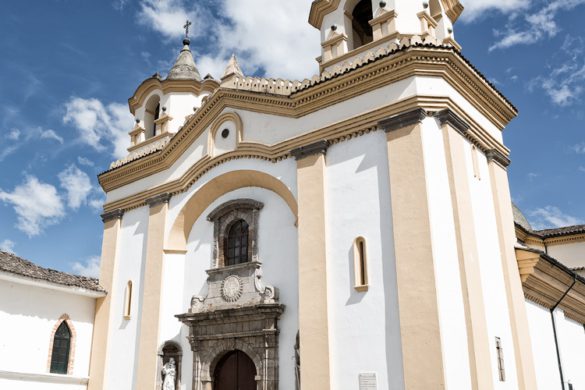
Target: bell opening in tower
(362,32)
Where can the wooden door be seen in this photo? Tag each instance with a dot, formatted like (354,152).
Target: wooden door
(235,371)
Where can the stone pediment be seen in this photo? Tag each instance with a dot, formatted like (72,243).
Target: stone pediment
(234,287)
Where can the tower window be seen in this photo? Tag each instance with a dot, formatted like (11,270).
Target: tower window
(360,264)
(236,250)
(151,115)
(500,353)
(156,117)
(61,349)
(361,29)
(128,301)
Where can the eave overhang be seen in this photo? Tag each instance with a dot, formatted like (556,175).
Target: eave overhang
(545,281)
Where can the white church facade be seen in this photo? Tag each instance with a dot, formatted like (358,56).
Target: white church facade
(351,231)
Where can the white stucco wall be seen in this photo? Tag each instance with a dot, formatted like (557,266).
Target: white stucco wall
(543,347)
(364,326)
(28,315)
(123,340)
(571,336)
(571,254)
(571,342)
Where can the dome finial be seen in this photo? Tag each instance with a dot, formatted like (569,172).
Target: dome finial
(185,68)
(186,40)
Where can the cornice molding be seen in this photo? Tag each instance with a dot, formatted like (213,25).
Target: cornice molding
(320,8)
(158,199)
(453,9)
(498,157)
(452,119)
(403,120)
(114,214)
(338,132)
(319,147)
(413,61)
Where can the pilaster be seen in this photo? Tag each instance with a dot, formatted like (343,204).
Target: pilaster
(497,164)
(313,312)
(101,329)
(479,353)
(151,294)
(417,296)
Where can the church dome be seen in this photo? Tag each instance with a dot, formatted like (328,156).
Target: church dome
(184,68)
(520,219)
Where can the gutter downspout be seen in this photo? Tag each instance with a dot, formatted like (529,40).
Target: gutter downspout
(554,324)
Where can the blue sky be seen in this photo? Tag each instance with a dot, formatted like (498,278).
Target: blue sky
(69,66)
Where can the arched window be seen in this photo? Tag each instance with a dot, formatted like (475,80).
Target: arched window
(61,349)
(360,22)
(128,301)
(236,244)
(360,264)
(151,114)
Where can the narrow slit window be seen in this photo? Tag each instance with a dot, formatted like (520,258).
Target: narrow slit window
(475,162)
(61,350)
(500,352)
(128,301)
(361,264)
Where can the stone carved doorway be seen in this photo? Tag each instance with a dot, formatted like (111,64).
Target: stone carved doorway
(239,313)
(235,371)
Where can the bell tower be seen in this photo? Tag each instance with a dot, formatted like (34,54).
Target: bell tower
(352,28)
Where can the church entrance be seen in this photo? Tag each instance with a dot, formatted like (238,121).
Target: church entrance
(235,371)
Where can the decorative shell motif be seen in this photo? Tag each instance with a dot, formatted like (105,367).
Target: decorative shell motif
(231,288)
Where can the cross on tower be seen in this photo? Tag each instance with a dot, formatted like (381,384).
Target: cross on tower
(186,27)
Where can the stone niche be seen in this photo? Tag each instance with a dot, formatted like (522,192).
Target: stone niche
(241,313)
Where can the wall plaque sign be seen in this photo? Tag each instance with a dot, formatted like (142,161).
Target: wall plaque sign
(368,381)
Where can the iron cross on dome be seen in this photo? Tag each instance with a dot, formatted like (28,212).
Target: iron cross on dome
(186,27)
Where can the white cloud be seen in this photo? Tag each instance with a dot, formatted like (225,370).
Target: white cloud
(89,268)
(529,28)
(579,148)
(99,125)
(37,205)
(7,246)
(13,135)
(564,84)
(96,203)
(582,169)
(50,134)
(77,185)
(532,176)
(551,217)
(168,17)
(20,138)
(85,161)
(269,36)
(475,9)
